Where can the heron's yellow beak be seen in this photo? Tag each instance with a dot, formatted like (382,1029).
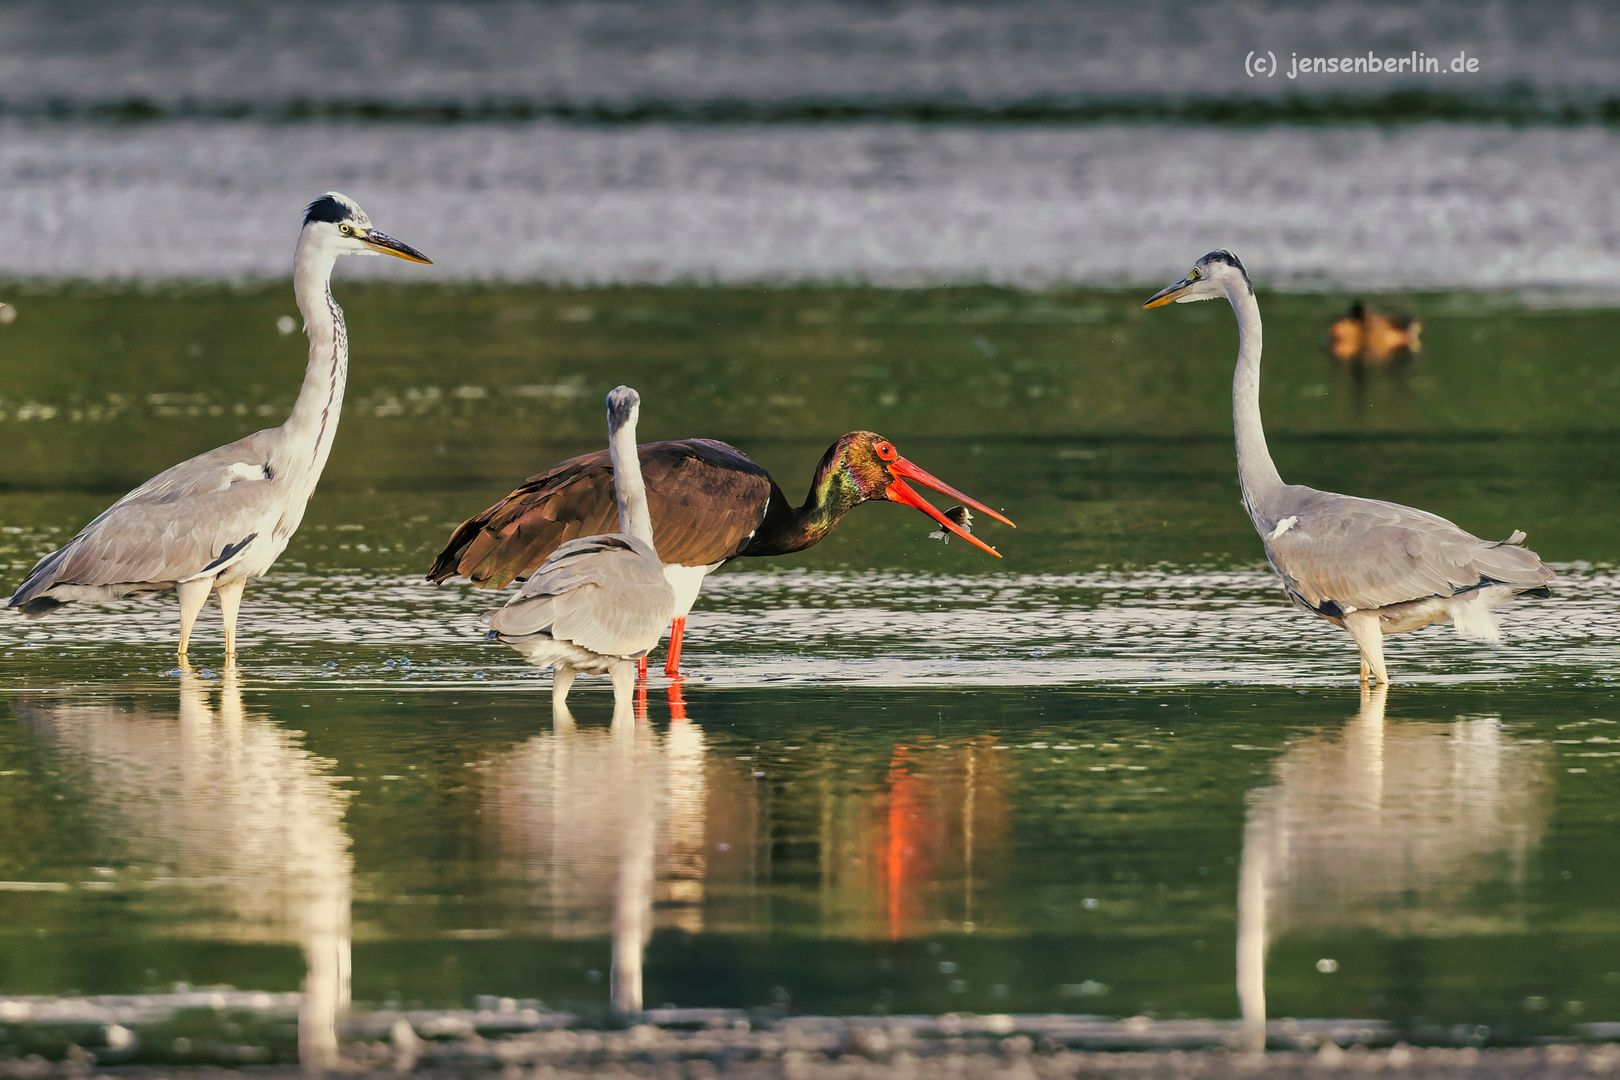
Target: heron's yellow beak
(383,244)
(1169,294)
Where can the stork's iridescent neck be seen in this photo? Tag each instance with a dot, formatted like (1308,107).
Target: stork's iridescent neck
(836,489)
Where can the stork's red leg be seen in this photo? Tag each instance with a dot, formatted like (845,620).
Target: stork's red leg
(641,668)
(677,629)
(677,702)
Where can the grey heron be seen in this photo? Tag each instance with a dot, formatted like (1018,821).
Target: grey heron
(1372,567)
(211,523)
(599,603)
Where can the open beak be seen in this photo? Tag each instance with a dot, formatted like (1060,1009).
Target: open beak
(383,244)
(901,492)
(1169,294)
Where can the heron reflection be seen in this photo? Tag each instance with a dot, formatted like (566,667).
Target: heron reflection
(245,823)
(603,824)
(1423,812)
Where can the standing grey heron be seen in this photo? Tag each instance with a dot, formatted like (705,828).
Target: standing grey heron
(211,523)
(1372,567)
(599,603)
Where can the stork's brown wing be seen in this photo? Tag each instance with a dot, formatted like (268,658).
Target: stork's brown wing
(706,498)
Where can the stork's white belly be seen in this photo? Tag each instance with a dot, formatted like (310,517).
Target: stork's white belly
(687,581)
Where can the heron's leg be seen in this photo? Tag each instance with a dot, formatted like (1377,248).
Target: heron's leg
(193,595)
(677,630)
(623,674)
(562,677)
(1368,632)
(230,602)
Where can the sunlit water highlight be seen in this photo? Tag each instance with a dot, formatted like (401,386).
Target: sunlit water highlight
(880,629)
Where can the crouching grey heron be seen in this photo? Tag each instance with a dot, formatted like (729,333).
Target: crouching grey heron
(211,523)
(1372,567)
(600,603)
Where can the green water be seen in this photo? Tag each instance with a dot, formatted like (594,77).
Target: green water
(900,776)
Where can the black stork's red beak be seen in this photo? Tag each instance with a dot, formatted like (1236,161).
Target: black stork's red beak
(901,492)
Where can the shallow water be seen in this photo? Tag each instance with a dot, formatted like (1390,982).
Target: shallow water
(1105,775)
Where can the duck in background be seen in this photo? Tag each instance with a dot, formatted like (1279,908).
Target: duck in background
(1373,339)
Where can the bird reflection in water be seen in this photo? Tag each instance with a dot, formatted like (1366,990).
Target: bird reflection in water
(941,807)
(617,831)
(1421,812)
(604,823)
(243,821)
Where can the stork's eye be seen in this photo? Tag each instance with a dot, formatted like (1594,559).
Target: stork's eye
(346,229)
(885,451)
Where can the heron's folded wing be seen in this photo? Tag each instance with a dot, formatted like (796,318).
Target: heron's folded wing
(602,593)
(198,515)
(705,498)
(1363,553)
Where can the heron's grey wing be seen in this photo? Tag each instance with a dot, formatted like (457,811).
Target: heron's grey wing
(1363,553)
(604,593)
(198,515)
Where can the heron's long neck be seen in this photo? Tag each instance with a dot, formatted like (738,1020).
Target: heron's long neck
(314,418)
(634,517)
(1255,469)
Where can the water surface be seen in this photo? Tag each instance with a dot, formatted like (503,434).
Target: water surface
(1112,774)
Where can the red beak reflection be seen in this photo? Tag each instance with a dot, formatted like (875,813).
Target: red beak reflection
(901,492)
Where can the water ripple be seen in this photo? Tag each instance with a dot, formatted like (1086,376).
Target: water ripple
(1162,627)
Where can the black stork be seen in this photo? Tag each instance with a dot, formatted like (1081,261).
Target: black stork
(710,503)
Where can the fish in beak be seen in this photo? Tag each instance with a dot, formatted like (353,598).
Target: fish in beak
(959,514)
(382,244)
(901,492)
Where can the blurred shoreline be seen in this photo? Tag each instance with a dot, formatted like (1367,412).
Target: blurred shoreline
(615,53)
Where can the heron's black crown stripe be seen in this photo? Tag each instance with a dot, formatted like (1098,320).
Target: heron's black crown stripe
(1224,256)
(326,208)
(620,402)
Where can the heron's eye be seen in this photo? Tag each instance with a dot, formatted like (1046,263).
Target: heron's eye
(346,229)
(885,451)
(1194,274)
